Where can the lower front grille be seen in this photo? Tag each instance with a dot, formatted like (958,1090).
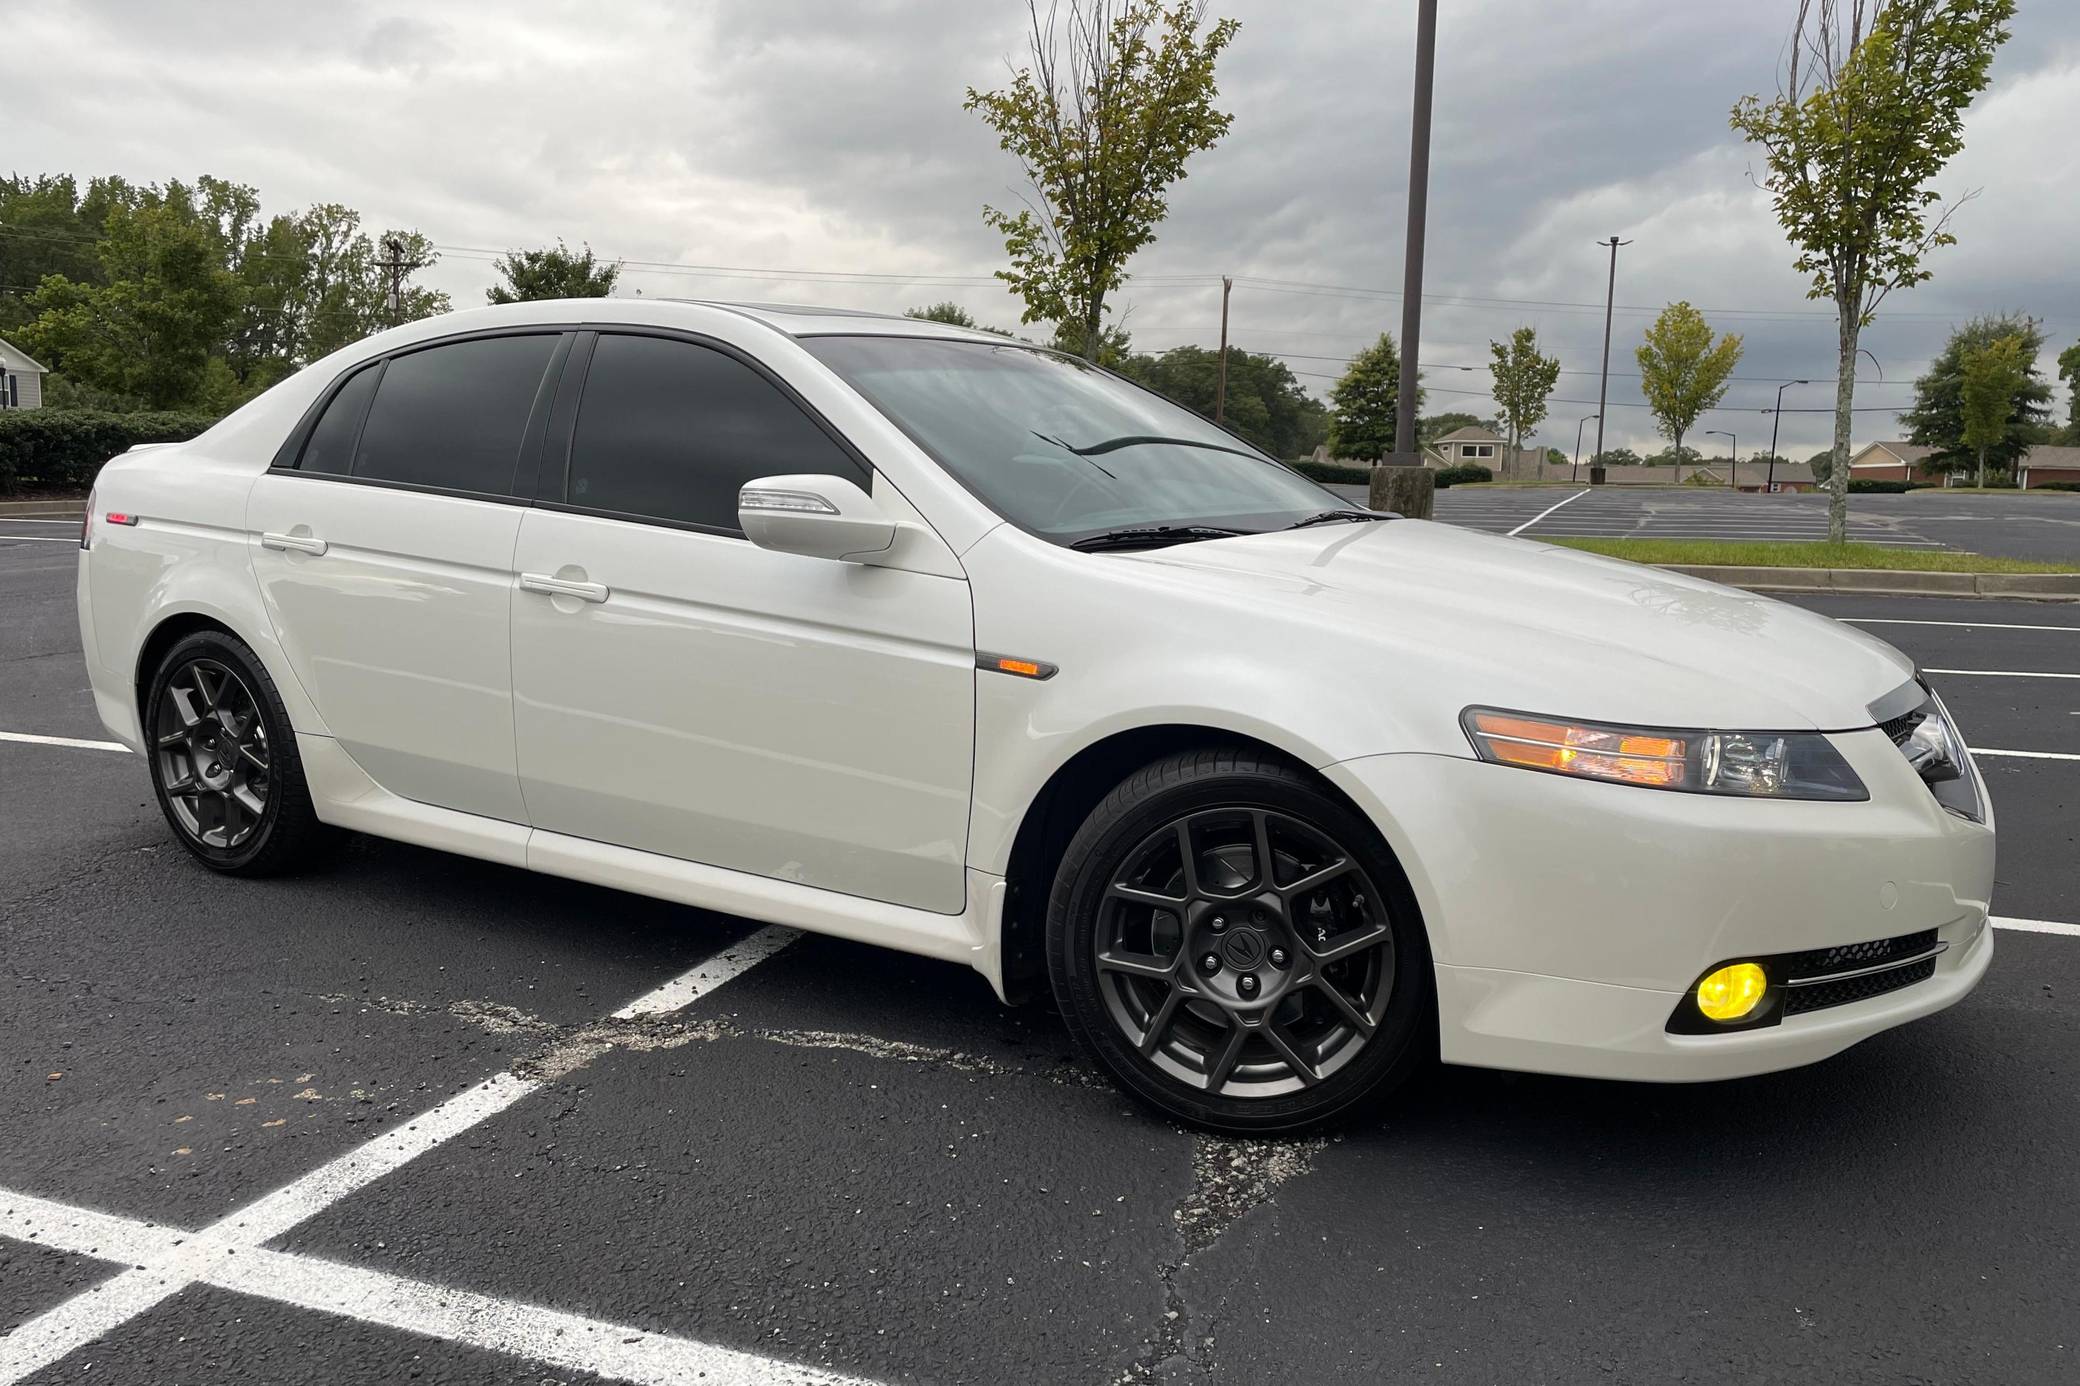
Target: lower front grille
(1821,995)
(1847,957)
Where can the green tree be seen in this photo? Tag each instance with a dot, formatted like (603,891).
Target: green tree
(1524,381)
(1864,119)
(1683,371)
(1118,94)
(1364,404)
(554,271)
(1114,347)
(2069,372)
(1615,457)
(1265,402)
(1937,418)
(165,304)
(1822,463)
(953,315)
(1992,376)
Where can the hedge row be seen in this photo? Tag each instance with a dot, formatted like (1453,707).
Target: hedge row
(1360,476)
(1888,488)
(2055,486)
(64,448)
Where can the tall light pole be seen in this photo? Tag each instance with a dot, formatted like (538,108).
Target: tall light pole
(1418,211)
(1603,388)
(1220,389)
(1775,415)
(1576,473)
(1733,465)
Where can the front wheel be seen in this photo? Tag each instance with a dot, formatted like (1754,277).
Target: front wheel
(1238,947)
(224,759)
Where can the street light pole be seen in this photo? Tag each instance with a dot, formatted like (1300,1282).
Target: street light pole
(1603,389)
(1220,389)
(1575,474)
(1775,416)
(1733,465)
(1418,210)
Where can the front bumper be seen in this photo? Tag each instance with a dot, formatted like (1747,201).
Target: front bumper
(1567,919)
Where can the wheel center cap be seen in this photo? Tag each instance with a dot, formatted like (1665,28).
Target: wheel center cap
(1244,949)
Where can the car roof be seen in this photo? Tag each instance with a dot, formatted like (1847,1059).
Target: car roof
(811,320)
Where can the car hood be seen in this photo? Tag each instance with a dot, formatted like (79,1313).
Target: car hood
(1527,625)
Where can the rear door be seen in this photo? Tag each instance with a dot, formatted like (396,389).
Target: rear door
(384,552)
(680,690)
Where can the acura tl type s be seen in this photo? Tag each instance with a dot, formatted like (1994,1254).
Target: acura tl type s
(937,640)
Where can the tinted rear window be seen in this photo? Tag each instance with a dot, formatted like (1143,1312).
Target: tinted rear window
(453,416)
(331,448)
(671,430)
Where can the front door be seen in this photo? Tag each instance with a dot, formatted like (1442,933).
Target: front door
(384,557)
(681,691)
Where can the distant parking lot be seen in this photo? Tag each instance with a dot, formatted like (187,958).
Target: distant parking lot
(2045,527)
(413,1116)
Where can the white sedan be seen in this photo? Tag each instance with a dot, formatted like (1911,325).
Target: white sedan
(940,641)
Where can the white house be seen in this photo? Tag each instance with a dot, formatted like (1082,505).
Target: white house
(21,378)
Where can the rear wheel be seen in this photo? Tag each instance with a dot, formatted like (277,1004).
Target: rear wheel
(224,761)
(1238,947)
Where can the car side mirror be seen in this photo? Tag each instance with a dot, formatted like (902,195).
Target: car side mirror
(817,516)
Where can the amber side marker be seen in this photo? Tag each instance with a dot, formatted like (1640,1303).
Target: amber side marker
(1009,664)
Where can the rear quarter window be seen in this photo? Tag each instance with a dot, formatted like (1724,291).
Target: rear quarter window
(453,416)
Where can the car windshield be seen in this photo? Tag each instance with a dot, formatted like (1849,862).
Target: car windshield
(1067,451)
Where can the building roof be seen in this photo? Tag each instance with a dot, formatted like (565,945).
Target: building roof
(15,359)
(1471,433)
(2046,455)
(1909,453)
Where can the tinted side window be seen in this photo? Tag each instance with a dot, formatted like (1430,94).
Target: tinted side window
(331,445)
(671,431)
(453,416)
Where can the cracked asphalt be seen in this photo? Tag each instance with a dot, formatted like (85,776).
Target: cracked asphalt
(860,1162)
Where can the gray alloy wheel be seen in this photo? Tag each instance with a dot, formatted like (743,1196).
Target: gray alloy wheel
(224,760)
(1235,943)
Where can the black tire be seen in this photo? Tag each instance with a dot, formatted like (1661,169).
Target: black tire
(1254,1041)
(234,749)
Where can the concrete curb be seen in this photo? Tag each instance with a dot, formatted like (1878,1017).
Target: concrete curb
(1888,582)
(43,509)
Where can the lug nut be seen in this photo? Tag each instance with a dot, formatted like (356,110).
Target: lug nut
(1219,923)
(1209,964)
(1247,984)
(1278,957)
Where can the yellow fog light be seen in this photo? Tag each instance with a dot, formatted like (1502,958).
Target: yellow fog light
(1732,992)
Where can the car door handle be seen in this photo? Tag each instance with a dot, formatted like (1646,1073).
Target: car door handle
(563,587)
(300,543)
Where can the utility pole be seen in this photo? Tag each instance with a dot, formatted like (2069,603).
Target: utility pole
(1603,389)
(1576,474)
(397,267)
(1733,464)
(1220,388)
(1775,416)
(1418,212)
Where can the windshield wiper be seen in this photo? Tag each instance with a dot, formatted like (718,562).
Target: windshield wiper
(1151,536)
(1136,439)
(1327,516)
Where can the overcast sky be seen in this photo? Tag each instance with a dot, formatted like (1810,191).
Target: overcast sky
(828,135)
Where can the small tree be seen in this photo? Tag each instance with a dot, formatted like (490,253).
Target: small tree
(1683,371)
(1524,381)
(1992,375)
(1364,403)
(1118,94)
(552,272)
(1871,108)
(2069,372)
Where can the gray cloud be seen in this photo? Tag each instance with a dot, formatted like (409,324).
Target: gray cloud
(827,134)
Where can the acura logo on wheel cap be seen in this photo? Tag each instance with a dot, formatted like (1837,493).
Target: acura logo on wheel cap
(1244,948)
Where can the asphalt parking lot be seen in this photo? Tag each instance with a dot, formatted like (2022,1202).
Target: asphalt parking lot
(2044,526)
(420,1117)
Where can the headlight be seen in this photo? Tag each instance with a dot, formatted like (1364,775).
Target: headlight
(1752,765)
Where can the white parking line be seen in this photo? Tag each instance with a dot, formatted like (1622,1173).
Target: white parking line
(1964,625)
(1545,512)
(2026,755)
(36,539)
(2036,926)
(2000,674)
(74,742)
(211,1255)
